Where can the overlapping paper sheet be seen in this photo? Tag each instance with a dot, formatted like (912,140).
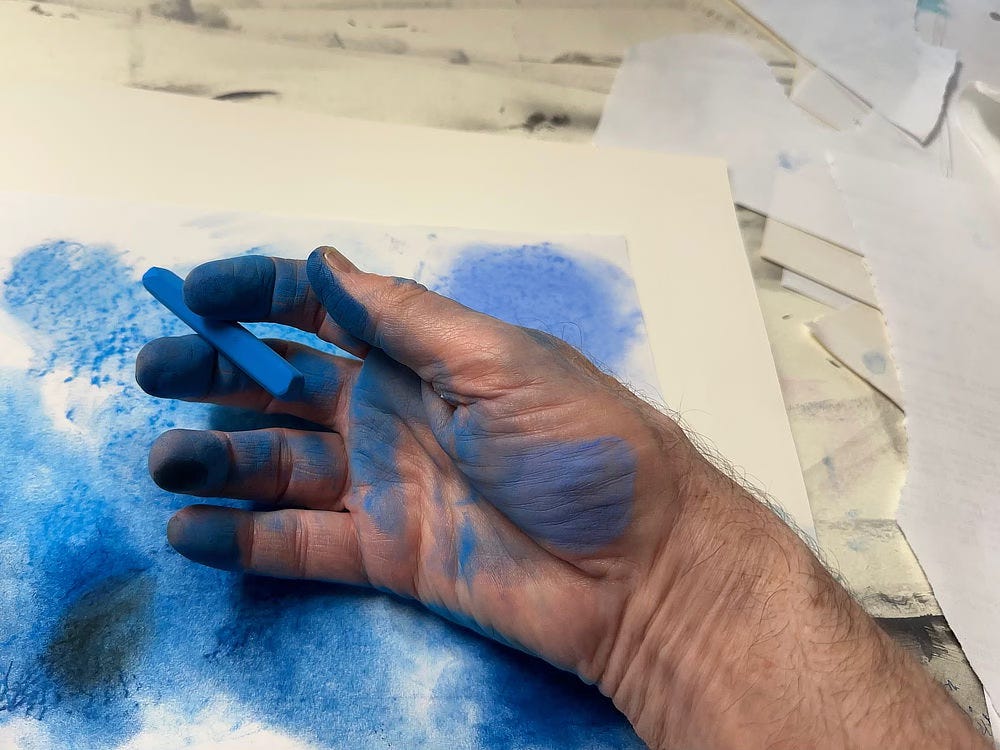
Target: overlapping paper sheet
(934,248)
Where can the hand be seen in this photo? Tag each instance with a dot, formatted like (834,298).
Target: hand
(494,474)
(487,470)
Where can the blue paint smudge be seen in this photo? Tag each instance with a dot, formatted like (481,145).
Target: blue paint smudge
(466,550)
(588,303)
(874,361)
(937,7)
(98,615)
(582,508)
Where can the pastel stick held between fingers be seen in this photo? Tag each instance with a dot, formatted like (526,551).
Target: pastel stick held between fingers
(259,361)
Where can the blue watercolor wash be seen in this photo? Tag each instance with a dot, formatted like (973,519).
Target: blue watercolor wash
(581,507)
(99,616)
(874,361)
(589,303)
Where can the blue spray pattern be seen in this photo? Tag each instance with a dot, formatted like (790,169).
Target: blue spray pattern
(541,286)
(98,617)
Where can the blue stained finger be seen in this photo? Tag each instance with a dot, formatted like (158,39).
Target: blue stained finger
(242,348)
(207,535)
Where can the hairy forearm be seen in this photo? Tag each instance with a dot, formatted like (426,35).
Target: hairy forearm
(739,638)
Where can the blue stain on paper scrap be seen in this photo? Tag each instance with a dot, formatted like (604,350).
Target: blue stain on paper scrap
(105,632)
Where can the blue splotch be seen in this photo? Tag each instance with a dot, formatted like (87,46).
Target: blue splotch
(466,549)
(874,361)
(587,302)
(98,615)
(937,7)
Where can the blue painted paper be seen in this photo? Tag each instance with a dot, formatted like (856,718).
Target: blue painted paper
(107,636)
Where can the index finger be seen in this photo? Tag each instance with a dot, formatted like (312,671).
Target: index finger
(258,288)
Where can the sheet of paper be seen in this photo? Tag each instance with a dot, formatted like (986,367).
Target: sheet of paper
(714,96)
(872,49)
(82,526)
(821,96)
(821,261)
(674,212)
(934,248)
(814,290)
(978,115)
(856,336)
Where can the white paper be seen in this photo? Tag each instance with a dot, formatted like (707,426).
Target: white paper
(872,49)
(814,290)
(821,96)
(821,261)
(856,336)
(978,115)
(714,96)
(934,248)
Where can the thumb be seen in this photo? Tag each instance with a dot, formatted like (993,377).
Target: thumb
(434,336)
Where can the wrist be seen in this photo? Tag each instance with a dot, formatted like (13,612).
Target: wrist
(738,637)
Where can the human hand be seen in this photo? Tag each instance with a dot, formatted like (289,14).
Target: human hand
(494,474)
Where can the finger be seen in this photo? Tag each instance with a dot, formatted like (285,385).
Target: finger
(314,544)
(277,466)
(190,369)
(259,288)
(438,338)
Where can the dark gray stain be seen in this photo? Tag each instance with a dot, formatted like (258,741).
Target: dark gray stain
(100,638)
(242,96)
(926,636)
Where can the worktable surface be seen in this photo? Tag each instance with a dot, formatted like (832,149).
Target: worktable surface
(532,69)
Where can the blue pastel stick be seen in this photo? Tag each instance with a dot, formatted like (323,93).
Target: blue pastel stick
(246,351)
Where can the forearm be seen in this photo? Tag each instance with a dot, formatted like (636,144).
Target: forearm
(739,638)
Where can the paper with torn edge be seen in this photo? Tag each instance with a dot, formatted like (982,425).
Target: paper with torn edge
(978,114)
(856,337)
(714,96)
(934,248)
(815,291)
(819,260)
(872,49)
(821,96)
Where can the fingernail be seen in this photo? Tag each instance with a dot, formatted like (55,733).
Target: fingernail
(336,261)
(207,536)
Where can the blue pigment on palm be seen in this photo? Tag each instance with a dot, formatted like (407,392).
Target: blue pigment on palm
(582,507)
(100,620)
(582,301)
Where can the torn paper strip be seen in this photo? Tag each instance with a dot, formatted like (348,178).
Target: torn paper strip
(712,95)
(819,260)
(872,49)
(934,249)
(856,337)
(815,291)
